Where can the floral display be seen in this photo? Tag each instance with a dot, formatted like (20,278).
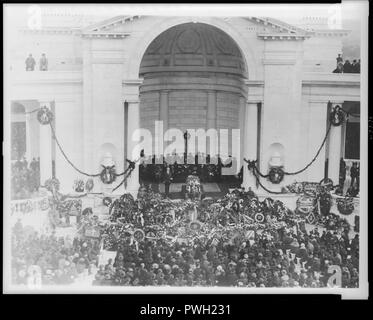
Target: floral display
(193,187)
(78,185)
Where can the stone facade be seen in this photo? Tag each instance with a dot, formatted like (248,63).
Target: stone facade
(269,79)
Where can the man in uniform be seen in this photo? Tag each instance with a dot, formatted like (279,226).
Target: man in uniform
(30,63)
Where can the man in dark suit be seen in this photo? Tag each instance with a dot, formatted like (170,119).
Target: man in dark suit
(167,180)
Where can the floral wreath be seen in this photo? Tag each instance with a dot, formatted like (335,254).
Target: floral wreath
(78,185)
(138,235)
(259,217)
(327,183)
(305,204)
(45,116)
(111,172)
(345,206)
(107,201)
(52,184)
(276,175)
(337,116)
(89,185)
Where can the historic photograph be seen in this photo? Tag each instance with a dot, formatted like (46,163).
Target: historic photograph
(185,147)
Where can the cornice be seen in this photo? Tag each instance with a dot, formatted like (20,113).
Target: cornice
(283,36)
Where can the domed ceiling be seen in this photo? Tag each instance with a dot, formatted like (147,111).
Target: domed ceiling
(193,47)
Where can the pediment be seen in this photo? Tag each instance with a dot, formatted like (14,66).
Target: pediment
(263,26)
(116,26)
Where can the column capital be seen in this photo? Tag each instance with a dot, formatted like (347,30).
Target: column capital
(45,103)
(334,103)
(133,82)
(132,100)
(256,102)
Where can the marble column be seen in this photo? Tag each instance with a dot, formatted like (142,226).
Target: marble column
(242,126)
(164,117)
(250,143)
(132,185)
(28,137)
(335,142)
(45,149)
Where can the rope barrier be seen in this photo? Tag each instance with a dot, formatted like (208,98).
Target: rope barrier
(266,189)
(29,112)
(355,115)
(251,164)
(77,169)
(67,159)
(125,178)
(314,158)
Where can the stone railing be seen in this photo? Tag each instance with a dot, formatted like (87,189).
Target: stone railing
(351,78)
(46,77)
(290,200)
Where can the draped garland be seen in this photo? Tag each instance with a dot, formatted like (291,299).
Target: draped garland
(276,174)
(45,117)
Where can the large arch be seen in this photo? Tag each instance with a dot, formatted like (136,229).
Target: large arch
(140,47)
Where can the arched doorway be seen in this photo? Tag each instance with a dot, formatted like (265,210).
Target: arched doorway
(193,78)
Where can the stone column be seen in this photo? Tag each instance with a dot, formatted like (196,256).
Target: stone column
(335,141)
(132,141)
(163,116)
(211,116)
(242,126)
(45,149)
(211,109)
(28,137)
(250,143)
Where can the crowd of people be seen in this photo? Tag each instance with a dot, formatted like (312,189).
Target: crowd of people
(347,66)
(273,257)
(231,247)
(25,178)
(48,260)
(31,63)
(284,260)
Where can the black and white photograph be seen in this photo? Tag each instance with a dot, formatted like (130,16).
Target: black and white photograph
(200,148)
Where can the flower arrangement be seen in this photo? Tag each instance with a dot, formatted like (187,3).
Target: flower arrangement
(52,185)
(89,185)
(78,185)
(345,206)
(193,187)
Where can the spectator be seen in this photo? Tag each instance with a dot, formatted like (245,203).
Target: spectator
(30,63)
(43,63)
(347,67)
(339,59)
(339,68)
